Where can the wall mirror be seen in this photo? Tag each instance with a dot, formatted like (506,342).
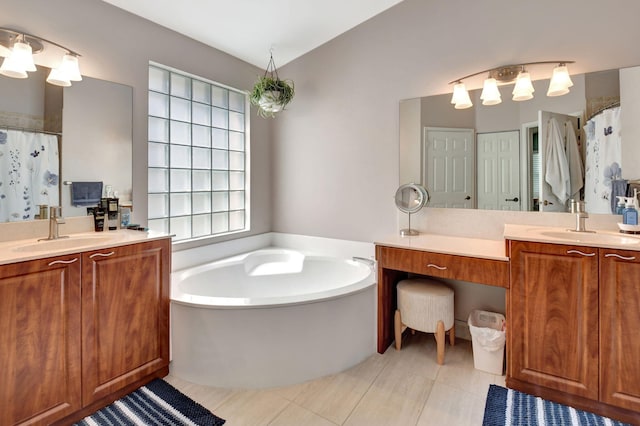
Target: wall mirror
(494,158)
(92,121)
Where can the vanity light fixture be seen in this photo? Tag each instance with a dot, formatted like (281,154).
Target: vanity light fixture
(523,90)
(460,96)
(19,47)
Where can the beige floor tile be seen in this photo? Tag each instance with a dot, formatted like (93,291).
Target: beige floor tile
(334,397)
(398,394)
(251,407)
(459,372)
(294,415)
(397,388)
(419,351)
(451,406)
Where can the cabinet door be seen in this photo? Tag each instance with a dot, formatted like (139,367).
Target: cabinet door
(125,316)
(619,321)
(553,311)
(39,340)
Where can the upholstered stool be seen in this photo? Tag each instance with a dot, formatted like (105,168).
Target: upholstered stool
(425,305)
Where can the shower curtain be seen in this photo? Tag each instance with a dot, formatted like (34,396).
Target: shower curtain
(29,173)
(602,161)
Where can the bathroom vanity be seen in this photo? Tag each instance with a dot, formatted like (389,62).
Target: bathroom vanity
(83,321)
(466,259)
(572,305)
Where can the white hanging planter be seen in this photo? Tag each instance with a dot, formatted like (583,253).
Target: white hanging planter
(270,94)
(270,101)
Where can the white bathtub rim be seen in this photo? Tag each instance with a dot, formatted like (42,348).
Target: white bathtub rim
(179,297)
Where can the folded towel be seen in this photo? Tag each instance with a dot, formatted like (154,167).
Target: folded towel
(86,193)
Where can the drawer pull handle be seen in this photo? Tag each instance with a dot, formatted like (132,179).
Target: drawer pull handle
(62,262)
(580,253)
(111,253)
(620,257)
(441,268)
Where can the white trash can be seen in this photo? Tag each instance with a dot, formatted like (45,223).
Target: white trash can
(488,339)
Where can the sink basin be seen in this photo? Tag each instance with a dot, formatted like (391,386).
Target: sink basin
(591,238)
(62,243)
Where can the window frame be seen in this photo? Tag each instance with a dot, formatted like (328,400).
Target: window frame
(170,144)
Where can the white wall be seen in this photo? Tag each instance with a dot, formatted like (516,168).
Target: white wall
(117,46)
(336,147)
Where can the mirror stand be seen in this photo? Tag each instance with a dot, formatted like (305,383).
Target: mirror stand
(410,198)
(408,232)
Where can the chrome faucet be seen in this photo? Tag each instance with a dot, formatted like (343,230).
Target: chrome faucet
(577,208)
(55,219)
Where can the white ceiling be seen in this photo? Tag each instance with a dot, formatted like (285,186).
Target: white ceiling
(248,29)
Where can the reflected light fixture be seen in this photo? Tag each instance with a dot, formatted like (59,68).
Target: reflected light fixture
(19,48)
(523,89)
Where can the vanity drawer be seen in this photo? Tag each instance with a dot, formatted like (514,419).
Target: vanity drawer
(484,271)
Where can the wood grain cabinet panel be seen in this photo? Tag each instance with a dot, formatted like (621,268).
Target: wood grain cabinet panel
(39,340)
(553,317)
(125,305)
(619,323)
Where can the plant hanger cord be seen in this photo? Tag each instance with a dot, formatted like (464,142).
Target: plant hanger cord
(271,67)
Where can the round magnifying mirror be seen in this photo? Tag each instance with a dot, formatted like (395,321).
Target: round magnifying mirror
(410,198)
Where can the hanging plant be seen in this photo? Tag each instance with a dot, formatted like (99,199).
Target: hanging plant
(271,94)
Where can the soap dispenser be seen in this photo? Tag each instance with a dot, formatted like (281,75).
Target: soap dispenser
(621,204)
(630,214)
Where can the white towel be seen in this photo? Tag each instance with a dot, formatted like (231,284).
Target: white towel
(557,168)
(574,160)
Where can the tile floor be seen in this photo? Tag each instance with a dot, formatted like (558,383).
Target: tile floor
(402,388)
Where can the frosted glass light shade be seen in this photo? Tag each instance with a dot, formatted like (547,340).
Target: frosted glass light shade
(461,97)
(58,78)
(490,94)
(11,69)
(70,67)
(22,54)
(523,89)
(560,81)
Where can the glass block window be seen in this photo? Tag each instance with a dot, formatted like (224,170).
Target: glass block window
(198,156)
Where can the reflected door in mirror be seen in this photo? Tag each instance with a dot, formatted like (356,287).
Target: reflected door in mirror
(449,171)
(499,170)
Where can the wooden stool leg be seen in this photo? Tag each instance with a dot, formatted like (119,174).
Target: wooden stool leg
(397,328)
(452,336)
(440,342)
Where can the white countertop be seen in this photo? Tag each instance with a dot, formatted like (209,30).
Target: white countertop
(445,244)
(557,235)
(32,248)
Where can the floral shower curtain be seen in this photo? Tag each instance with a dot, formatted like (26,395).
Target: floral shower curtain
(29,173)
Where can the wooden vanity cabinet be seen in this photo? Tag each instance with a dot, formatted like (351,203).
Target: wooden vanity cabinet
(552,309)
(619,325)
(79,331)
(573,318)
(40,373)
(125,316)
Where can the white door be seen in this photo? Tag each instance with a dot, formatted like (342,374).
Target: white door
(498,174)
(448,167)
(548,201)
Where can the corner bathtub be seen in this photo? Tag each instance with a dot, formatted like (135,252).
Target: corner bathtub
(271,317)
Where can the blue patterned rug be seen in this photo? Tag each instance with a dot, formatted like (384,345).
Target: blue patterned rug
(507,407)
(157,403)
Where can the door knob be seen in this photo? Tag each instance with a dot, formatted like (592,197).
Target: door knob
(515,199)
(468,197)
